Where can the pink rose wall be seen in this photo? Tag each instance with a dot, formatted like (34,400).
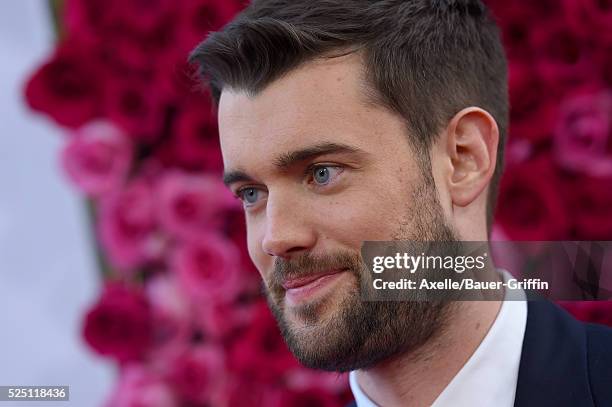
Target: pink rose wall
(181,314)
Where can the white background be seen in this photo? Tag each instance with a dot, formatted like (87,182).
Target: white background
(48,275)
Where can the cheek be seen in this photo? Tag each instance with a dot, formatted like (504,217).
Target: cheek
(369,216)
(261,260)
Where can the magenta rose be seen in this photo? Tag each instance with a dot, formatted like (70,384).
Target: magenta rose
(590,203)
(140,387)
(583,138)
(516,22)
(199,17)
(134,49)
(119,325)
(599,312)
(194,144)
(127,226)
(303,398)
(590,18)
(87,19)
(196,373)
(207,269)
(191,206)
(68,87)
(97,158)
(261,344)
(530,205)
(561,58)
(142,16)
(136,107)
(533,111)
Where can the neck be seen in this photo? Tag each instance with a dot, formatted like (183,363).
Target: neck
(416,378)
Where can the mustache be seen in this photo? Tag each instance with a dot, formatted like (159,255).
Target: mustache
(307,264)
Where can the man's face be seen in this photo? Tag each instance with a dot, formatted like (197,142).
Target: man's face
(319,171)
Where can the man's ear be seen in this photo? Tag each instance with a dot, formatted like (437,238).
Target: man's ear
(472,138)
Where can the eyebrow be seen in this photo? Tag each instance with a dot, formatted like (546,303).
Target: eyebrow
(289,159)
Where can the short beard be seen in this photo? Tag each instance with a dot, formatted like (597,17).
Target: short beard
(361,334)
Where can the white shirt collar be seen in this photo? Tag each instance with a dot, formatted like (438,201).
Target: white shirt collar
(489,377)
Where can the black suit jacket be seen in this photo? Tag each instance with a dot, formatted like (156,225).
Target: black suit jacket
(564,362)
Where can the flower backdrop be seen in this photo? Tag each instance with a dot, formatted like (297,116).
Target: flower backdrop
(180,312)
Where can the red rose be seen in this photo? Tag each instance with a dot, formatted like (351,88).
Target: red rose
(67,87)
(119,325)
(590,202)
(530,204)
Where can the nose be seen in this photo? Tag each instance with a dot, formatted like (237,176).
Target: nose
(287,231)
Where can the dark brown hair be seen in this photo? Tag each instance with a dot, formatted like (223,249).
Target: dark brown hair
(425,59)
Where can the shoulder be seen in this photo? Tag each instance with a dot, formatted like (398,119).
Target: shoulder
(564,362)
(599,352)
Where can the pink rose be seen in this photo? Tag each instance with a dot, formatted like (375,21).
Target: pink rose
(529,204)
(97,158)
(590,203)
(583,138)
(191,206)
(196,373)
(67,87)
(261,344)
(207,269)
(171,314)
(303,379)
(220,321)
(127,226)
(119,325)
(140,387)
(235,229)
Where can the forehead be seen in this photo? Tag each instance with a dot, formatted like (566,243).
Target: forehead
(322,101)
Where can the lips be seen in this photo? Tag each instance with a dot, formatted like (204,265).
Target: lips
(302,281)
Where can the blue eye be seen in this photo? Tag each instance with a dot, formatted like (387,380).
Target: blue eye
(249,195)
(321,175)
(324,174)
